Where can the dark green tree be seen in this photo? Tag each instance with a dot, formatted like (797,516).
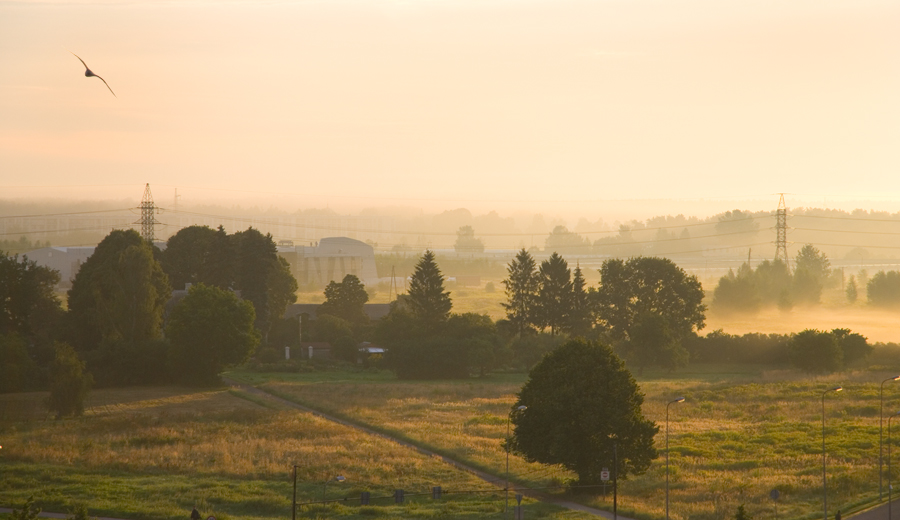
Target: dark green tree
(17,369)
(555,294)
(220,267)
(282,289)
(651,342)
(28,303)
(210,329)
(188,256)
(338,333)
(883,289)
(346,300)
(427,299)
(256,257)
(118,295)
(853,345)
(528,349)
(581,401)
(521,285)
(816,352)
(581,315)
(69,383)
(649,285)
(475,340)
(466,241)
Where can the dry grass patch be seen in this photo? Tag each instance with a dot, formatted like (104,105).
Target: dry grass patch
(155,452)
(734,440)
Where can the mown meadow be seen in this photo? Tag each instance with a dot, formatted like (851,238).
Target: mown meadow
(154,453)
(740,434)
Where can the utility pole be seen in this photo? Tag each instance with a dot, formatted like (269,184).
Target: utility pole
(781,232)
(147,215)
(393,289)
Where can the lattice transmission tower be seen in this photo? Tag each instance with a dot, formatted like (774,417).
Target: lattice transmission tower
(781,232)
(148,215)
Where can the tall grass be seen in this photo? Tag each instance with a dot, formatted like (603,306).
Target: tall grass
(734,440)
(155,453)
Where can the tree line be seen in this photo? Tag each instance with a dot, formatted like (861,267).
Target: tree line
(773,283)
(121,325)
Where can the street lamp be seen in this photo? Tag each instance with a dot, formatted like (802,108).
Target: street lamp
(881,433)
(676,400)
(521,408)
(824,478)
(339,478)
(294,501)
(890,491)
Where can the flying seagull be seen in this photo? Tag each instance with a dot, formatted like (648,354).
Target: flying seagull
(88,72)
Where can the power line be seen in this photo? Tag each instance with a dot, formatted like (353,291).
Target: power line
(67,214)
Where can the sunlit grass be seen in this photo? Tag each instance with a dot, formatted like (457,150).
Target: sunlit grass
(156,452)
(741,433)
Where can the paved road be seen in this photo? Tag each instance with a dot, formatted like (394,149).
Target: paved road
(491,479)
(879,512)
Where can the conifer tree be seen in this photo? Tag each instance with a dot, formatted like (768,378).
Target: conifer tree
(428,301)
(521,292)
(555,295)
(580,316)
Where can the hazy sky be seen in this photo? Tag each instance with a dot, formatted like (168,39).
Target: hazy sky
(447,103)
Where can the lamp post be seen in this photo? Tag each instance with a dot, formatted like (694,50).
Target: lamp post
(890,491)
(339,478)
(824,477)
(521,408)
(294,500)
(676,400)
(881,434)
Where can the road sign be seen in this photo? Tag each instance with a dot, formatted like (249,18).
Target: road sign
(774,494)
(604,475)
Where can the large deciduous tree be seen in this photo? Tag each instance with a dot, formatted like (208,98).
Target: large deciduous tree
(582,404)
(427,299)
(210,329)
(246,261)
(188,256)
(521,285)
(816,352)
(649,285)
(28,304)
(118,295)
(346,300)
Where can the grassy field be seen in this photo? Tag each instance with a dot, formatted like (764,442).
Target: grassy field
(156,452)
(741,433)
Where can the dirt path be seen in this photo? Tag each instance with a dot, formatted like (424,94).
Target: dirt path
(491,479)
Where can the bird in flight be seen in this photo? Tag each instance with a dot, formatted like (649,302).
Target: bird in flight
(88,72)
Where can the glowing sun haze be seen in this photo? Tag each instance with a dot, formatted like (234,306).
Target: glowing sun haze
(452,102)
